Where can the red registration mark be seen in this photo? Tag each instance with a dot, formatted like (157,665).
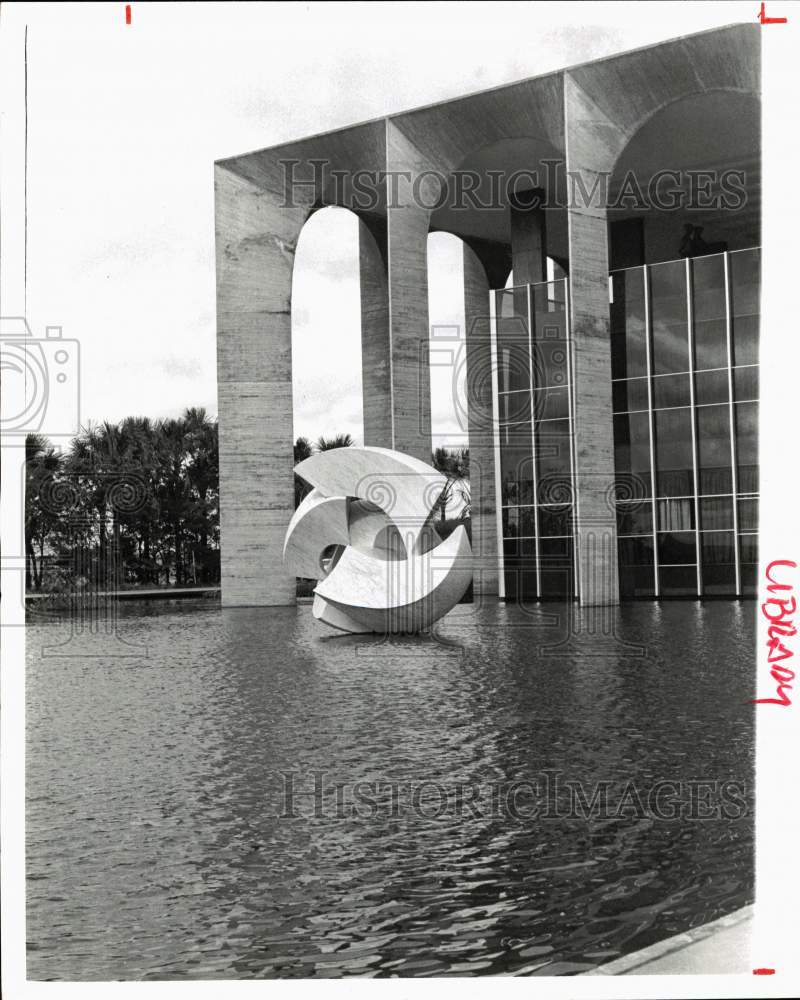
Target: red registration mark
(762,17)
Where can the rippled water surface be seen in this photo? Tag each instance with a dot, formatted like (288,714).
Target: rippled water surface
(161,843)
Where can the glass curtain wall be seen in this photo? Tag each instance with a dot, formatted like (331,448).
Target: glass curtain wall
(684,361)
(535,440)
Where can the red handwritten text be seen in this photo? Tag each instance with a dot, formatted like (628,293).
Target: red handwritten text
(778,611)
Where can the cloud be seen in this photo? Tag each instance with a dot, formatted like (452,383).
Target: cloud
(180,367)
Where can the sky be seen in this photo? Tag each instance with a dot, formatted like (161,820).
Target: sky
(125,122)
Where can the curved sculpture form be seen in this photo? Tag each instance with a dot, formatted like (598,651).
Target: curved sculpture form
(365,532)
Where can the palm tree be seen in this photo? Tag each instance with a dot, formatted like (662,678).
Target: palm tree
(453,464)
(173,487)
(142,522)
(97,457)
(465,495)
(337,441)
(302,451)
(203,474)
(42,463)
(168,508)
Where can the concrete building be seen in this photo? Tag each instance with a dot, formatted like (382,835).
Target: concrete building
(612,381)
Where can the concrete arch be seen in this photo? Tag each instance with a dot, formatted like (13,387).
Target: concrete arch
(693,160)
(375,359)
(482,186)
(326,307)
(741,110)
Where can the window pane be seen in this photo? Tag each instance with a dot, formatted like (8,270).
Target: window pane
(515,407)
(669,318)
(745,292)
(557,582)
(714,449)
(715,513)
(745,383)
(748,574)
(708,294)
(674,472)
(513,351)
(549,298)
(678,581)
(518,521)
(635,518)
(711,387)
(520,579)
(628,351)
(671,390)
(630,394)
(676,515)
(514,548)
(636,551)
(748,514)
(553,461)
(718,562)
(556,567)
(677,547)
(550,359)
(556,550)
(550,335)
(747,446)
(516,464)
(748,549)
(550,403)
(549,302)
(556,520)
(636,572)
(632,450)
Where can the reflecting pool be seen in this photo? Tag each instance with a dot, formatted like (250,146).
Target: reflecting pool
(244,794)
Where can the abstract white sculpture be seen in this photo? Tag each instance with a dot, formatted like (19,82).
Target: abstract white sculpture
(366,533)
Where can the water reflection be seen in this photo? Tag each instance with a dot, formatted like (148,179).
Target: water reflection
(156,847)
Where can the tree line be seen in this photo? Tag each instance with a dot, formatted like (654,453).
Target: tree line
(131,503)
(136,503)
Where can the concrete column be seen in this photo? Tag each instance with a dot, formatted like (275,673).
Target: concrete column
(528,239)
(376,366)
(408,223)
(481,418)
(590,330)
(255,247)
